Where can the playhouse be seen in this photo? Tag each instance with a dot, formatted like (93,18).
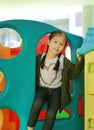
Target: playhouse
(87,50)
(18,72)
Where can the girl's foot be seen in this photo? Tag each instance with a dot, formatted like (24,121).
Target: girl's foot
(30,128)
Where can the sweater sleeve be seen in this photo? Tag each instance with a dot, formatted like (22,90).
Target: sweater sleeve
(75,69)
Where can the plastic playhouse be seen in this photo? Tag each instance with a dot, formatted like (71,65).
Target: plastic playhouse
(87,50)
(18,72)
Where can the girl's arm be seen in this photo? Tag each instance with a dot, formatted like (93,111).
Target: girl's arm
(75,69)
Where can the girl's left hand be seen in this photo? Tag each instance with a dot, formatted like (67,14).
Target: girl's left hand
(79,57)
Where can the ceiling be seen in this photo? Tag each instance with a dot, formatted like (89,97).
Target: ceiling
(43,3)
(39,9)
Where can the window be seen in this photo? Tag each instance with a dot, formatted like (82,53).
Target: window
(10,43)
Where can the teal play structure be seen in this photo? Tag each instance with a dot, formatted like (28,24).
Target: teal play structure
(20,74)
(88,43)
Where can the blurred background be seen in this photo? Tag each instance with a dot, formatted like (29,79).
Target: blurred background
(73,16)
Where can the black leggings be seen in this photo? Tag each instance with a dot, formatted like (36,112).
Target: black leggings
(53,97)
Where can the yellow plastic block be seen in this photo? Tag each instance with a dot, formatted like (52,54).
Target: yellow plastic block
(89,91)
(90,83)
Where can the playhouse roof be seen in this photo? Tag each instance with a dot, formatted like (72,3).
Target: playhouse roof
(88,43)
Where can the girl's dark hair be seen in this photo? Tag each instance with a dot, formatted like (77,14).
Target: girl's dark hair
(54,33)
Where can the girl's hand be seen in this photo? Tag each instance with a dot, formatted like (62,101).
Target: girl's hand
(79,57)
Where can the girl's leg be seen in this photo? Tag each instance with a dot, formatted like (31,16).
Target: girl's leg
(53,106)
(39,100)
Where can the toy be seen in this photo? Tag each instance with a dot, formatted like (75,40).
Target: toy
(19,72)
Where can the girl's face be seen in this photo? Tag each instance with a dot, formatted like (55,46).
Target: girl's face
(57,44)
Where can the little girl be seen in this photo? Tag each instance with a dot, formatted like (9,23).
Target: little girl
(52,80)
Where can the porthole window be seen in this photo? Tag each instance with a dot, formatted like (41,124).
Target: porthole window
(9,120)
(10,43)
